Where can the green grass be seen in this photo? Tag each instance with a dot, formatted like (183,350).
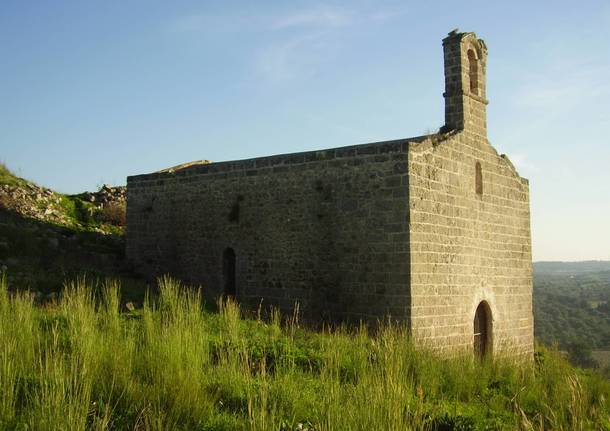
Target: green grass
(79,211)
(81,364)
(7,177)
(84,216)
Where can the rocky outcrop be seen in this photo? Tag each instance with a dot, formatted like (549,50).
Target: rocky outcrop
(33,201)
(106,195)
(43,204)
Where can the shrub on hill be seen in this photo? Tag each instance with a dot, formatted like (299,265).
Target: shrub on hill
(9,178)
(114,213)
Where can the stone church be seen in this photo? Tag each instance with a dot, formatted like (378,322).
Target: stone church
(433,231)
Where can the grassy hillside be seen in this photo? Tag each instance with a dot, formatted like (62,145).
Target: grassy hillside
(46,237)
(79,364)
(8,178)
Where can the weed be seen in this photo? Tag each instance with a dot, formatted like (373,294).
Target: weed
(8,177)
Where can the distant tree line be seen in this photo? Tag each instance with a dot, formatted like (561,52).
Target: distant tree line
(572,308)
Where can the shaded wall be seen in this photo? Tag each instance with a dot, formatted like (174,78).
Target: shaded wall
(327,229)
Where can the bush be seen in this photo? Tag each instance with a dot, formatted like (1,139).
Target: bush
(114,213)
(8,177)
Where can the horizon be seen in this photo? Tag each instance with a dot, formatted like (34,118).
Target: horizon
(101,92)
(572,261)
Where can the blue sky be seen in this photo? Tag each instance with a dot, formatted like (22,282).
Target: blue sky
(91,92)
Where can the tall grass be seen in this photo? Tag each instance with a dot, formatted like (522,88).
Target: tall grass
(82,364)
(8,177)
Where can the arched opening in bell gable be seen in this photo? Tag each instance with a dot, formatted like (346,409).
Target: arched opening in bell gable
(473,71)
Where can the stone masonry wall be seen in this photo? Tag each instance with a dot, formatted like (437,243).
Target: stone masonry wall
(467,248)
(395,228)
(326,229)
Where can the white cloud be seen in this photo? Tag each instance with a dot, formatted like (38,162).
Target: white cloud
(563,92)
(310,38)
(292,57)
(302,40)
(333,17)
(560,79)
(319,17)
(197,23)
(387,14)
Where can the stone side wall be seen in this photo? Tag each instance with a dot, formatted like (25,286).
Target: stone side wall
(325,229)
(467,248)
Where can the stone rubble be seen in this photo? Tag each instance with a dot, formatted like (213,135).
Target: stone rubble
(41,203)
(106,194)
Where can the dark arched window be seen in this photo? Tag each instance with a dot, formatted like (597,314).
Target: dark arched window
(473,72)
(478,178)
(482,330)
(228,272)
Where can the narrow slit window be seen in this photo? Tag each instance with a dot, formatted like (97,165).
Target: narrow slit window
(473,72)
(478,180)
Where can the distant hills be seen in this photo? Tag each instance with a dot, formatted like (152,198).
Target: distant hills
(573,268)
(572,304)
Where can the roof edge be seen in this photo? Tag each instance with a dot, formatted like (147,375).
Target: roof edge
(205,166)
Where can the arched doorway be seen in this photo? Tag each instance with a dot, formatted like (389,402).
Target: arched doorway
(482,330)
(228,272)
